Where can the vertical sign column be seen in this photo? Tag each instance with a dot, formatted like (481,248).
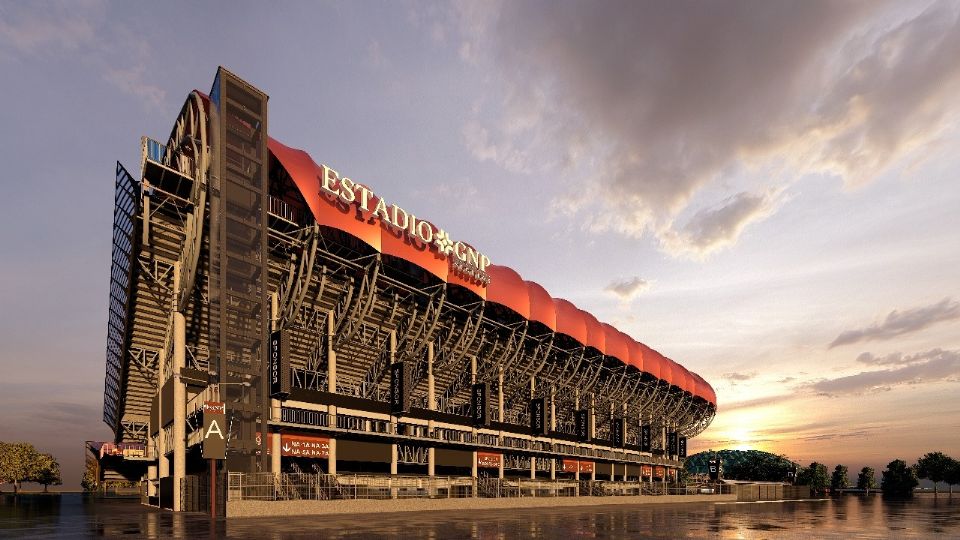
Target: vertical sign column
(238,258)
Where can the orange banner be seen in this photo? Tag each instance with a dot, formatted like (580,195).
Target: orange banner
(489,460)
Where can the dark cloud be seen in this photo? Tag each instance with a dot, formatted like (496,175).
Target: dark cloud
(666,108)
(712,228)
(628,289)
(898,323)
(932,366)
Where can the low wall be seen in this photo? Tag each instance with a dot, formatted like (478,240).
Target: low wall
(255,508)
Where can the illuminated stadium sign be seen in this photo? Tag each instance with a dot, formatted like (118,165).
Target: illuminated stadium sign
(464,258)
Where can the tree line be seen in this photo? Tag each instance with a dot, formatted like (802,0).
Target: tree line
(21,462)
(897,479)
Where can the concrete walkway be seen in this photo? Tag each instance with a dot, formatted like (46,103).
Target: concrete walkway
(367,506)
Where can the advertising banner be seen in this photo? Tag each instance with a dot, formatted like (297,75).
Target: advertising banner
(646,471)
(571,466)
(586,466)
(617,427)
(279,364)
(538,416)
(658,471)
(489,460)
(401,387)
(682,447)
(582,427)
(645,438)
(672,443)
(480,404)
(308,446)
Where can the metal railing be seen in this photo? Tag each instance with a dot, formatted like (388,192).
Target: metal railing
(305,486)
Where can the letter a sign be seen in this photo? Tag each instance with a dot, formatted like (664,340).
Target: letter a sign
(214,430)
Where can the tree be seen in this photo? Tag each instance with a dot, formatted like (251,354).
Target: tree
(814,476)
(867,479)
(839,478)
(933,466)
(899,479)
(46,471)
(17,461)
(90,480)
(952,477)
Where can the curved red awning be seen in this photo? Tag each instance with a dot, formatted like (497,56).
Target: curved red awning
(617,343)
(686,380)
(508,289)
(701,386)
(636,353)
(666,368)
(398,244)
(327,211)
(542,308)
(651,361)
(570,320)
(596,337)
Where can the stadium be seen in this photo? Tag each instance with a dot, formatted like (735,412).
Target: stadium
(271,319)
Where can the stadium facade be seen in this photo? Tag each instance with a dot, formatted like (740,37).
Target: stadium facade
(287,299)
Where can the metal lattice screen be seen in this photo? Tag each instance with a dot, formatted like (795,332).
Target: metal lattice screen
(126,207)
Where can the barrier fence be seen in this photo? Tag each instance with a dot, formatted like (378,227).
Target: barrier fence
(306,486)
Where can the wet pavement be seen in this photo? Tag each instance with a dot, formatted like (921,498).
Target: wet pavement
(78,516)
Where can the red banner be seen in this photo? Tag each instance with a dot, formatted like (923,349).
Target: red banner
(646,471)
(489,460)
(586,466)
(658,471)
(571,465)
(304,446)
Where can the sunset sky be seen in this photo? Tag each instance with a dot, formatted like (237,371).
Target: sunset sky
(766,192)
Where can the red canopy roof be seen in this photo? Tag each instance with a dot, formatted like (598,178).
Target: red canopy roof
(570,320)
(506,287)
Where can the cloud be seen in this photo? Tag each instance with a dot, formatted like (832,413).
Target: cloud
(691,109)
(628,289)
(44,32)
(56,27)
(132,81)
(738,377)
(898,323)
(932,366)
(712,229)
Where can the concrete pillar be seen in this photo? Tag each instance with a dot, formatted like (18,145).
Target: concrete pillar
(163,464)
(275,453)
(593,417)
(332,457)
(394,457)
(431,405)
(331,356)
(146,215)
(553,409)
(500,411)
(500,471)
(332,388)
(179,405)
(151,480)
(275,457)
(473,454)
